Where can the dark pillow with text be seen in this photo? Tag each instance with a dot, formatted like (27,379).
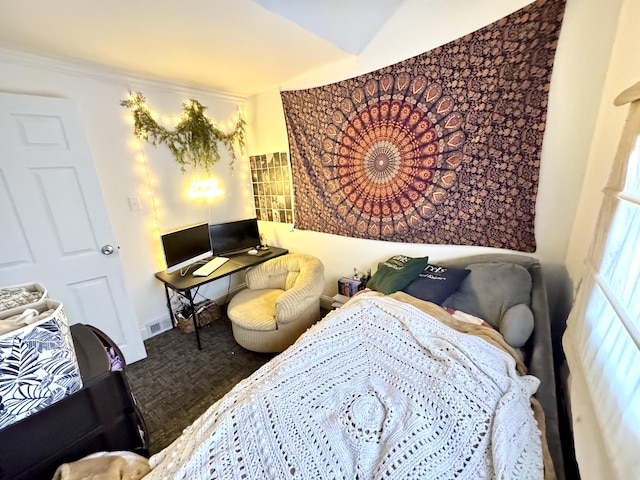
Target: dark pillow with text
(436,283)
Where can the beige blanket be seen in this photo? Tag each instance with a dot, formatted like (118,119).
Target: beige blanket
(105,466)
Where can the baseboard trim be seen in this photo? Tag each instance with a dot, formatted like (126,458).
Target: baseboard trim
(325,302)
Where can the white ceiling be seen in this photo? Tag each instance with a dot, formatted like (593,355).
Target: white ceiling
(236,46)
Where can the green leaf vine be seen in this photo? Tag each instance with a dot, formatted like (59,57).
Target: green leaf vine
(194,141)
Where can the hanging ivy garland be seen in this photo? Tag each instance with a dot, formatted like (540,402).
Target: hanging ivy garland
(194,142)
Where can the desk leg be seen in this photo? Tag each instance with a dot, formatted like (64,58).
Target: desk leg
(171,317)
(195,317)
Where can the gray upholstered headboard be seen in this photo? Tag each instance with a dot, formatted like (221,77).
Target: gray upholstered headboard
(540,361)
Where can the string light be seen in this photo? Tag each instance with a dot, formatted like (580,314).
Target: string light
(149,184)
(207,188)
(149,181)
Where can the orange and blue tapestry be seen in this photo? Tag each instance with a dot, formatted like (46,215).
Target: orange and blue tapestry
(441,148)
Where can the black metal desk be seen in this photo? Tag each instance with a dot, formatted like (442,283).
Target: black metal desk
(184,285)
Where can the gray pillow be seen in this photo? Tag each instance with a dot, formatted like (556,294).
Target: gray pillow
(516,325)
(490,291)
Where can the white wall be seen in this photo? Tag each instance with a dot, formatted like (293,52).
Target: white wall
(579,72)
(97,95)
(624,71)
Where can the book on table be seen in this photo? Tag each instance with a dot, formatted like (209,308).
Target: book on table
(349,286)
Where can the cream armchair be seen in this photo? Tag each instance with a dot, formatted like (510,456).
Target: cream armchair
(281,301)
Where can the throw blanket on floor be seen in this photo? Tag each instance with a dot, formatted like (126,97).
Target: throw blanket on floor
(441,148)
(378,389)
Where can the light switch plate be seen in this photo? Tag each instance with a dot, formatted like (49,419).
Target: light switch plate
(134,204)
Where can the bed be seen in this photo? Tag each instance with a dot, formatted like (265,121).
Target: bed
(387,386)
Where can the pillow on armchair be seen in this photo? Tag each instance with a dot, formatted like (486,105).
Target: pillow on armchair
(500,294)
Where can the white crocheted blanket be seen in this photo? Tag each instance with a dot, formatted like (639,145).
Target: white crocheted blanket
(376,390)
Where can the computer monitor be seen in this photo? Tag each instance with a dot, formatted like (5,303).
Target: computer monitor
(186,246)
(234,236)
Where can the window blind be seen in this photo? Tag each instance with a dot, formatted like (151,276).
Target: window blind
(602,341)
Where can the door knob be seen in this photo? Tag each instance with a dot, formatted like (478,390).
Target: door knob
(107,249)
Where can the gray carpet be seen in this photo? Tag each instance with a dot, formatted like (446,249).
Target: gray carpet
(177,382)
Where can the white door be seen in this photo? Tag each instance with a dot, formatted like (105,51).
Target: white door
(54,227)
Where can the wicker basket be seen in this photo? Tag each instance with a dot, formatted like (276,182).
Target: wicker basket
(207,312)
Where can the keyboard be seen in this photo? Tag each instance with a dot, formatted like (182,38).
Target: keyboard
(210,267)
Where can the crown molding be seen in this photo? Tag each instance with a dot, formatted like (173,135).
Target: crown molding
(99,72)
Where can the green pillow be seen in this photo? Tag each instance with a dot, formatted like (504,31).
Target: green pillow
(396,273)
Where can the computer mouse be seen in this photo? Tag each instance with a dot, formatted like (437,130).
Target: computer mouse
(253,251)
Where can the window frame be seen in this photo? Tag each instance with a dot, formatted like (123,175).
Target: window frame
(600,345)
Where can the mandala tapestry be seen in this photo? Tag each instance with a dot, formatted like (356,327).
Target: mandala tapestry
(442,148)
